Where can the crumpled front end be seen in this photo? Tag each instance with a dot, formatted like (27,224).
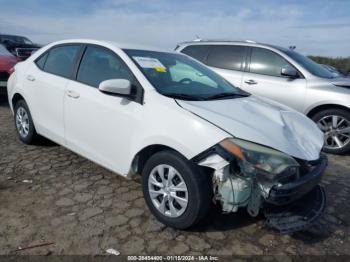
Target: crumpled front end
(288,195)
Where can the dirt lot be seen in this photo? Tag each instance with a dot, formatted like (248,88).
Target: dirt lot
(85,209)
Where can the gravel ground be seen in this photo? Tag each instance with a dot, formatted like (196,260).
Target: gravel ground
(49,194)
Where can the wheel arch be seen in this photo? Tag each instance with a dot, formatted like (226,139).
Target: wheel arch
(15,98)
(323,107)
(141,157)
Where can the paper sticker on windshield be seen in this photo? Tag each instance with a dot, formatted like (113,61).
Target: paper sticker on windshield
(160,69)
(148,62)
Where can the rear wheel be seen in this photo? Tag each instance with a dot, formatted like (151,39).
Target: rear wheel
(24,123)
(176,191)
(335,124)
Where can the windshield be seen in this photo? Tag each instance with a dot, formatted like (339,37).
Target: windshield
(179,76)
(16,39)
(3,51)
(309,65)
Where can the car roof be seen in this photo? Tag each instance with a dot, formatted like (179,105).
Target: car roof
(228,42)
(119,45)
(7,35)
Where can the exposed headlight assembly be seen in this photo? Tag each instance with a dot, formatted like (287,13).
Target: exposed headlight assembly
(254,159)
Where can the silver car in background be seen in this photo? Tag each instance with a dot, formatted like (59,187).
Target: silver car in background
(285,76)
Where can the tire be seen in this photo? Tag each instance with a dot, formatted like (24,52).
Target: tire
(324,120)
(198,185)
(26,132)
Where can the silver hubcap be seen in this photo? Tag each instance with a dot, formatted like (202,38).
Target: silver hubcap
(22,122)
(168,191)
(336,131)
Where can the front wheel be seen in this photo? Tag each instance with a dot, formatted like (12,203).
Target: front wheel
(176,191)
(335,124)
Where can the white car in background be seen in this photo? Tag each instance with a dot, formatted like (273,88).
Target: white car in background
(192,136)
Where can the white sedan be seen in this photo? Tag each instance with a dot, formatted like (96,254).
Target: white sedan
(194,137)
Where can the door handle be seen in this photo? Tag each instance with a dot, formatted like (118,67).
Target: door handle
(250,82)
(72,94)
(30,78)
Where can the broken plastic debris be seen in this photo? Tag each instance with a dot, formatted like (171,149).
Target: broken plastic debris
(27,181)
(298,215)
(113,251)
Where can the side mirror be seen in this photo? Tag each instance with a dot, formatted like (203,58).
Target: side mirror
(289,71)
(120,87)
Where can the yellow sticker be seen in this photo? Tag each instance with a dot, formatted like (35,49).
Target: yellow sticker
(160,69)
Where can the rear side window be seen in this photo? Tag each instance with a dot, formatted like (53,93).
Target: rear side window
(198,52)
(41,61)
(226,57)
(60,60)
(267,62)
(99,64)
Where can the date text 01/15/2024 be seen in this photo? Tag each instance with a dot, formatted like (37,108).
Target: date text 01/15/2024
(173,258)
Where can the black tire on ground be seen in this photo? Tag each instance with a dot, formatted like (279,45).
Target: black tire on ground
(339,112)
(31,137)
(198,185)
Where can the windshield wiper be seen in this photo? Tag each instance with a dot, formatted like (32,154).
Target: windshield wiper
(226,95)
(183,96)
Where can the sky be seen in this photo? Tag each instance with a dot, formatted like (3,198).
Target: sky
(319,27)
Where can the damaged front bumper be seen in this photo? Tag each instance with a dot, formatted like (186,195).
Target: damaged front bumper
(289,203)
(287,193)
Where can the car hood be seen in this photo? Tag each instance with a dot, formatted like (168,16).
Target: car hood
(13,45)
(262,121)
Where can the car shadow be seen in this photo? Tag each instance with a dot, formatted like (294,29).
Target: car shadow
(45,142)
(316,233)
(216,221)
(4,185)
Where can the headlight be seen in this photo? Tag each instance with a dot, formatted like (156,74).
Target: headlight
(255,159)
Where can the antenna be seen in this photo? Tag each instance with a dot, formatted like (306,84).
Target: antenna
(198,39)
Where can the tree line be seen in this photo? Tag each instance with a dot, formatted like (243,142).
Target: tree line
(341,63)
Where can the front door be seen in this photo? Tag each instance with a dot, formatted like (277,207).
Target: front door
(264,78)
(100,126)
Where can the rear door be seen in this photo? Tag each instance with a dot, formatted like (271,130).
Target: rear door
(228,61)
(45,84)
(264,78)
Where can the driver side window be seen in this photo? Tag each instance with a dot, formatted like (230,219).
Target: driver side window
(267,62)
(99,64)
